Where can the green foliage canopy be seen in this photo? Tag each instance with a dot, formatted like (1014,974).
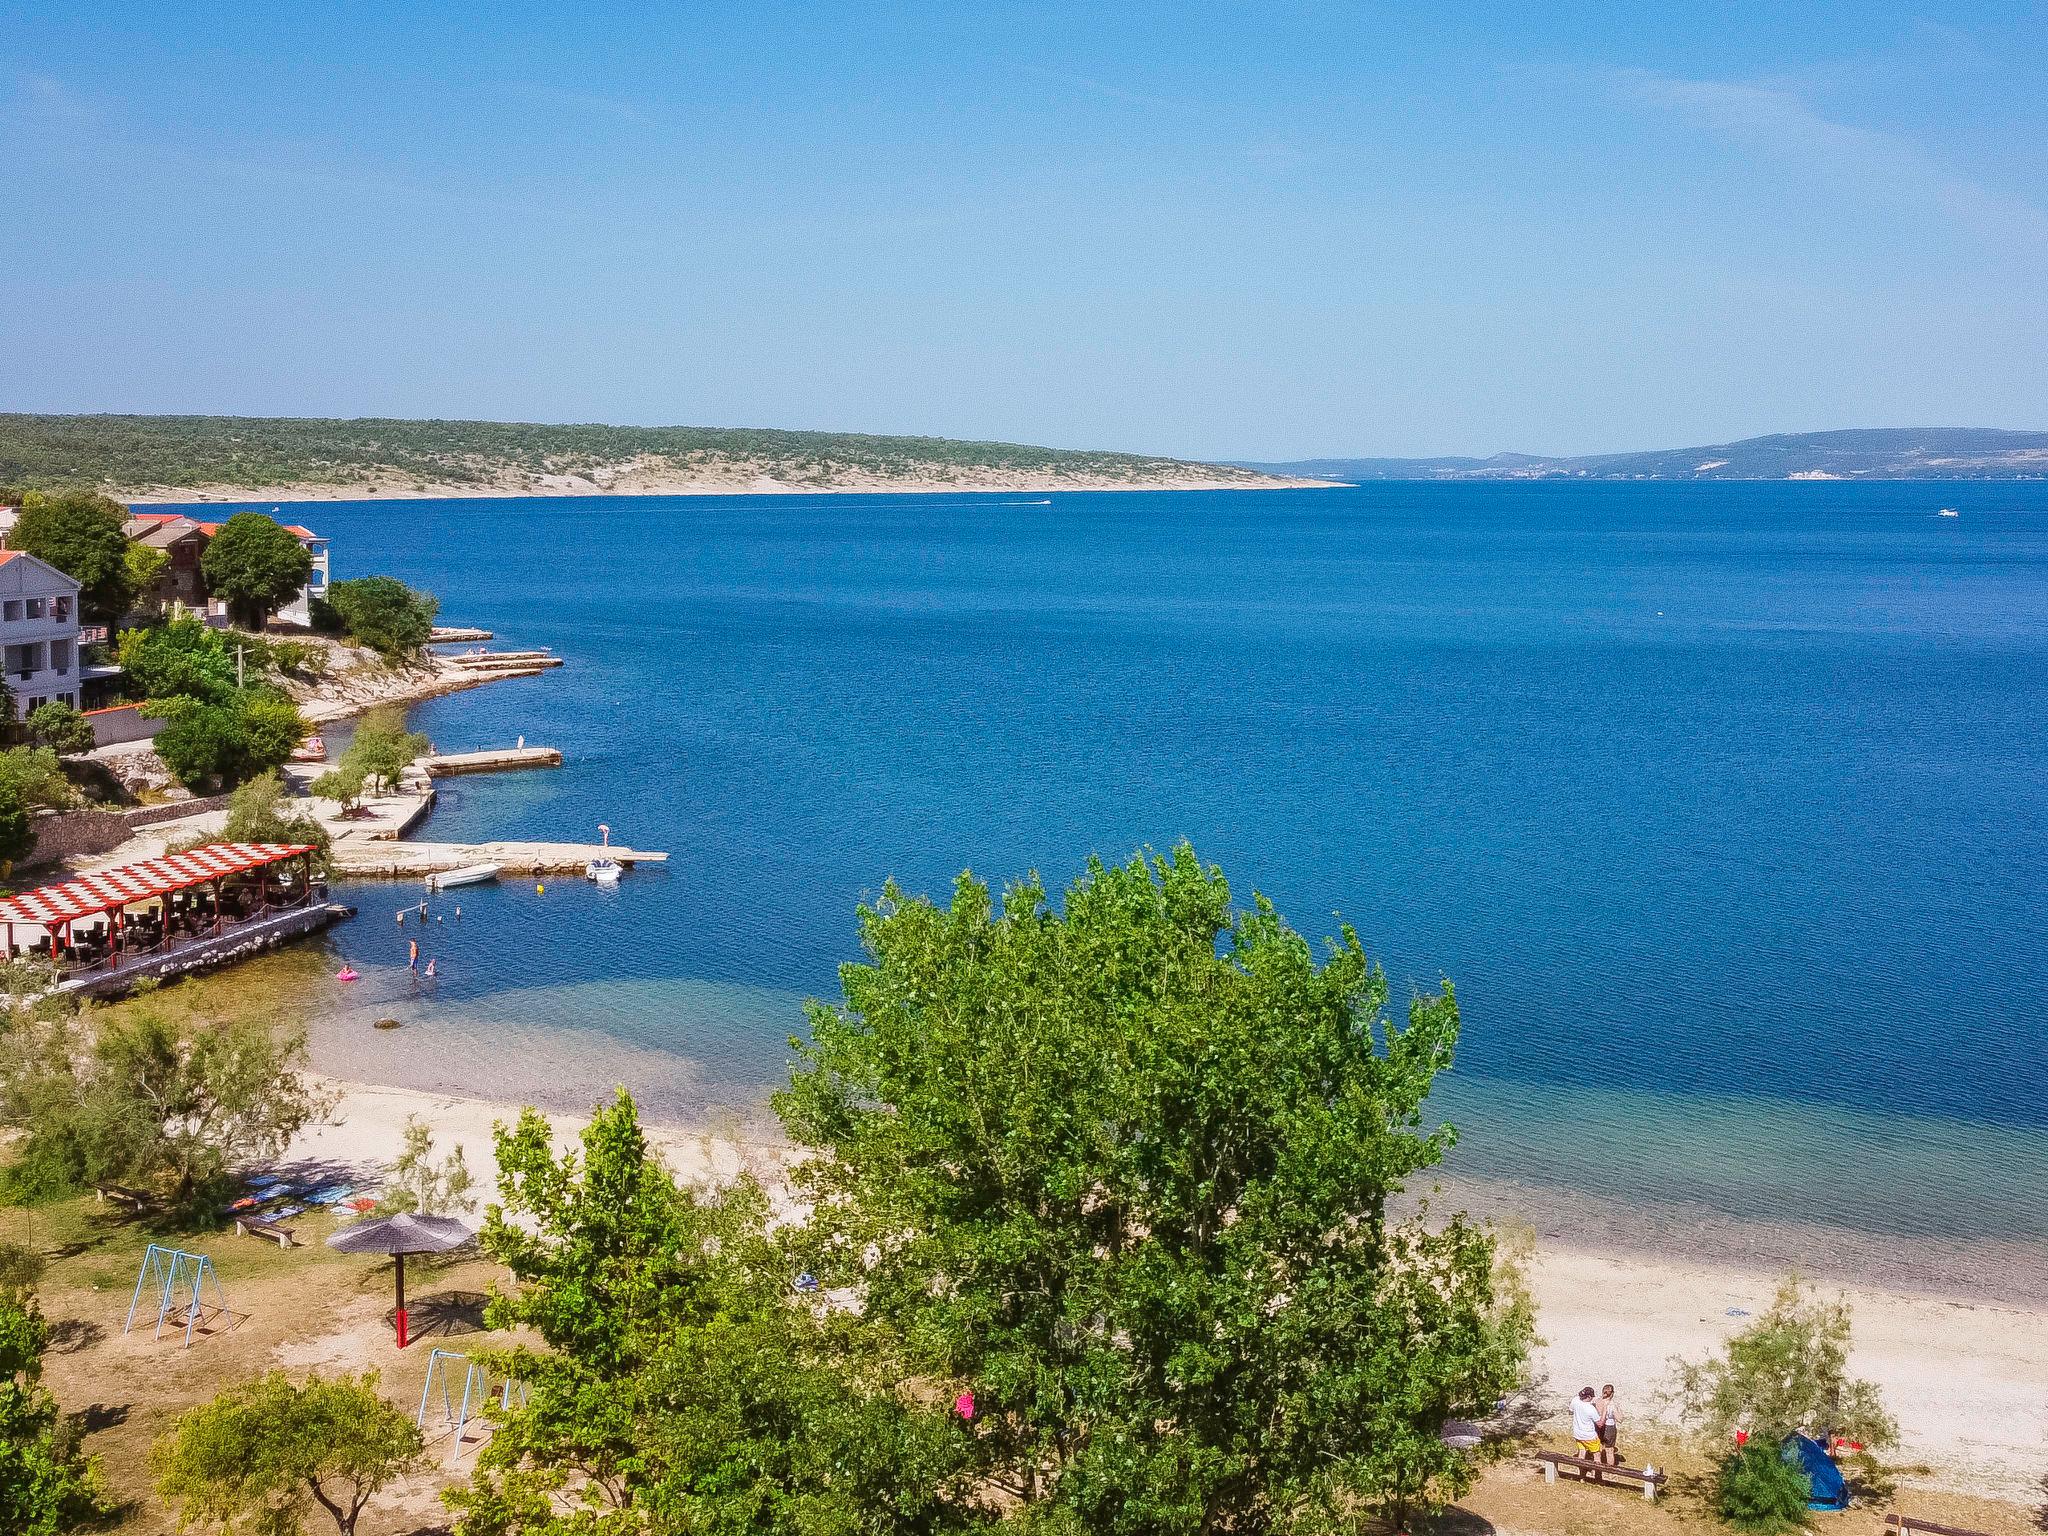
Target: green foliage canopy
(260,1456)
(1124,1171)
(82,534)
(56,725)
(181,657)
(149,1104)
(255,567)
(251,733)
(418,1181)
(683,1388)
(1787,1371)
(46,1487)
(383,613)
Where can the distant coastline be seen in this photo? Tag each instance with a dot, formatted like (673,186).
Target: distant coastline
(690,485)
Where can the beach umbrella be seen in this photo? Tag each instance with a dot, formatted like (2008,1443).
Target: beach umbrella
(397,1236)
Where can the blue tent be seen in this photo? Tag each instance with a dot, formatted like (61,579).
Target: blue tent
(1823,1477)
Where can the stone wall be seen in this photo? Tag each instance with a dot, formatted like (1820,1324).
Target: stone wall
(81,834)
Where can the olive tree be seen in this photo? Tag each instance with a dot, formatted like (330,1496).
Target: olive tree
(260,1456)
(1123,1173)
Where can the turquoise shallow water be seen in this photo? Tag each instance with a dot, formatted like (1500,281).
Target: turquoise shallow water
(1722,804)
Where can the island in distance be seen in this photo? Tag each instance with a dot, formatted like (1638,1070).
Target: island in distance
(1871,453)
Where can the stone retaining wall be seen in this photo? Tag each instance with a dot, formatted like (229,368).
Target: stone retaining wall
(81,834)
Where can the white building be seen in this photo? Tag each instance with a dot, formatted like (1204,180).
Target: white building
(38,632)
(300,609)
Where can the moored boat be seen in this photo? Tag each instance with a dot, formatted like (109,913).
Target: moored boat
(311,750)
(469,874)
(604,869)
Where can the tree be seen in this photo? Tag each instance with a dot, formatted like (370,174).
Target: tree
(61,728)
(145,565)
(383,613)
(83,534)
(152,1105)
(382,747)
(179,658)
(17,829)
(203,743)
(255,567)
(46,1487)
(343,783)
(418,1183)
(1787,1372)
(261,1455)
(1758,1491)
(682,1386)
(262,811)
(1123,1172)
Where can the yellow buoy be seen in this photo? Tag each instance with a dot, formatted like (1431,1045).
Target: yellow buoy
(539,889)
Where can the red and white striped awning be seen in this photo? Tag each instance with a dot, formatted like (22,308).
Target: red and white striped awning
(131,883)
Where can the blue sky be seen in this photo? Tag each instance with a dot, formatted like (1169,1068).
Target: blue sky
(1264,231)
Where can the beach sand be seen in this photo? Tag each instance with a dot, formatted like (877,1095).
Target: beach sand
(1967,1377)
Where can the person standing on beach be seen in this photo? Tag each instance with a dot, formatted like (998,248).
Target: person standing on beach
(1586,1425)
(1610,1428)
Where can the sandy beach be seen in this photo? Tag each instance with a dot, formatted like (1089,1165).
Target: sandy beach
(1968,1379)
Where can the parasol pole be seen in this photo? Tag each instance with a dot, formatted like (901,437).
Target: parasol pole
(399,1260)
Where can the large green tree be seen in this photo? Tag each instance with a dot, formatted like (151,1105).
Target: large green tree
(261,1456)
(82,533)
(46,1486)
(255,567)
(1124,1173)
(382,613)
(251,733)
(684,1385)
(180,658)
(149,1103)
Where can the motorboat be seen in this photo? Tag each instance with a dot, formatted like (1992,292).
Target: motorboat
(311,750)
(469,874)
(1948,512)
(604,869)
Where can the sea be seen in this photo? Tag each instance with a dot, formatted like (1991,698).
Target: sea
(1721,804)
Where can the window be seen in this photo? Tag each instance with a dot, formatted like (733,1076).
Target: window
(37,607)
(12,610)
(60,608)
(60,655)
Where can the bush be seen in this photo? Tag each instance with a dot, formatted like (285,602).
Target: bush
(60,728)
(255,567)
(180,658)
(17,830)
(1760,1492)
(382,613)
(150,1104)
(263,811)
(33,777)
(84,535)
(46,1487)
(207,743)
(299,658)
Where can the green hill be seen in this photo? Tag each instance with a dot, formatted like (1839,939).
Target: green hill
(1873,453)
(221,454)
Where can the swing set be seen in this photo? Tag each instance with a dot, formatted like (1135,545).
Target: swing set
(179,1281)
(477,1391)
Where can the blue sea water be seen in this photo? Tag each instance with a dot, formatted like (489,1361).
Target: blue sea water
(1722,804)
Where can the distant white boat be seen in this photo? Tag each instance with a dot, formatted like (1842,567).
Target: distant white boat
(469,874)
(1948,512)
(604,869)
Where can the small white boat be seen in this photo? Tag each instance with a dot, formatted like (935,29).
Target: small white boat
(1948,512)
(311,750)
(604,869)
(469,874)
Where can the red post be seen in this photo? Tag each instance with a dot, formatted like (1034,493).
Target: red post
(399,1258)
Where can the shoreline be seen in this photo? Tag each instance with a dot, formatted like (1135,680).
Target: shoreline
(1967,1377)
(549,488)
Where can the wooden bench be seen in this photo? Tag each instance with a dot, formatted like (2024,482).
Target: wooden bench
(1649,1479)
(1906,1525)
(256,1226)
(133,1199)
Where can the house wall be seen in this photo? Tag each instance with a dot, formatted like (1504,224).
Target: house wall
(38,633)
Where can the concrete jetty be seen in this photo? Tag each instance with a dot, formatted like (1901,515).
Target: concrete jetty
(450,634)
(497,760)
(505,661)
(367,857)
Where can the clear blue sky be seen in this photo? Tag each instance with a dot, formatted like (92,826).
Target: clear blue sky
(1265,231)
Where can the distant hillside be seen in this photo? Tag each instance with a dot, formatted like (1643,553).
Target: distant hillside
(250,458)
(1876,453)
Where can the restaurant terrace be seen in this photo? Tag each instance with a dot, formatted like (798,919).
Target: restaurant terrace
(129,921)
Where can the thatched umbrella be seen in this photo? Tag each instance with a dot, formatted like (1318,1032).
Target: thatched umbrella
(398,1236)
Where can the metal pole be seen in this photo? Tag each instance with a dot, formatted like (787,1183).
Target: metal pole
(399,1260)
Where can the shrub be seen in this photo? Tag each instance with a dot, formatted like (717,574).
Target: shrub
(206,743)
(46,1487)
(383,613)
(61,728)
(1760,1492)
(180,658)
(263,811)
(33,777)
